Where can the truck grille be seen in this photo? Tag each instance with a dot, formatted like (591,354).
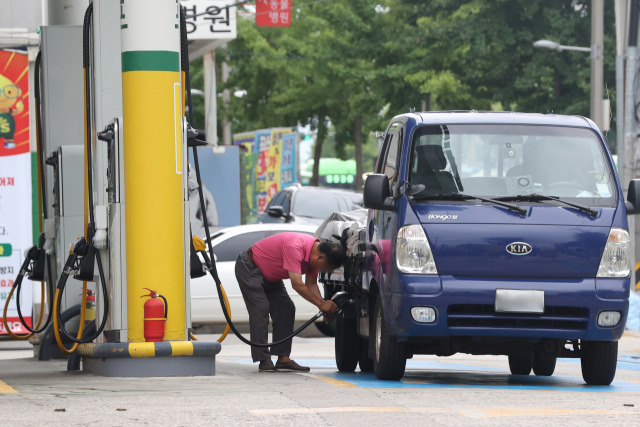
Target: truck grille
(484,315)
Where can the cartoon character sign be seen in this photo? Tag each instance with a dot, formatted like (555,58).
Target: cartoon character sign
(14,103)
(10,105)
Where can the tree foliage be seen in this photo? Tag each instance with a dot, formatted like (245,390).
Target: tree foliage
(355,64)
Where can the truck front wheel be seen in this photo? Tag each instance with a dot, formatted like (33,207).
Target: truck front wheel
(598,360)
(389,359)
(347,344)
(520,364)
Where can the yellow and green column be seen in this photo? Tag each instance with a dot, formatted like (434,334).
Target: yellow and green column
(152,111)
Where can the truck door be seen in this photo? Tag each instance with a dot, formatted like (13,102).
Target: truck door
(385,221)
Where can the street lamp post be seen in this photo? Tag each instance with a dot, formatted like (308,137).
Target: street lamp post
(597,60)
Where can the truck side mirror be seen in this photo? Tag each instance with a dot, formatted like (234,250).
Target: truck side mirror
(275,211)
(633,197)
(377,194)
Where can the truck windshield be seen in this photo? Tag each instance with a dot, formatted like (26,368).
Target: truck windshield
(504,160)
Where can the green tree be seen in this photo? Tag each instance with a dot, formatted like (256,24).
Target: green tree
(479,53)
(320,70)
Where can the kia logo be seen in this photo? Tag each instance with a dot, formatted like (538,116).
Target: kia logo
(519,248)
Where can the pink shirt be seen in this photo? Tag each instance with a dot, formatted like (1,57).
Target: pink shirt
(281,253)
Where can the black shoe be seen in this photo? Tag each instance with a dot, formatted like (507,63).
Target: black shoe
(291,366)
(266,366)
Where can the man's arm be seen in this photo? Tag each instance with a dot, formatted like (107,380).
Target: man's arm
(311,281)
(311,293)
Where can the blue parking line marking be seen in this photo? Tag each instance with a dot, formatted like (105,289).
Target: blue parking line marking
(436,374)
(474,380)
(628,362)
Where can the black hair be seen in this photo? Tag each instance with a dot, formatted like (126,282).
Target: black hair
(334,252)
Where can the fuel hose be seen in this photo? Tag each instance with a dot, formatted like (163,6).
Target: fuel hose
(16,287)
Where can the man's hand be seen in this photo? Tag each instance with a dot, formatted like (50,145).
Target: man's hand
(311,293)
(328,308)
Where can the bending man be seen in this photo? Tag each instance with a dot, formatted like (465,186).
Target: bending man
(260,272)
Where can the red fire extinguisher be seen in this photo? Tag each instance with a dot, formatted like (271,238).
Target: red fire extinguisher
(155,316)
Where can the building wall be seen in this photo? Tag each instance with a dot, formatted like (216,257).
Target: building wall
(21,14)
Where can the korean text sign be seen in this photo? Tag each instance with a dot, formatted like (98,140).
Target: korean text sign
(273,13)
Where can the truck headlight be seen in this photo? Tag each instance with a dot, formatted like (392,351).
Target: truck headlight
(413,253)
(615,260)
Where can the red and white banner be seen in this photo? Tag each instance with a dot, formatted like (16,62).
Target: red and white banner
(273,13)
(16,227)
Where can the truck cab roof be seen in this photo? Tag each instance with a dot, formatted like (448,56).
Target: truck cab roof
(495,117)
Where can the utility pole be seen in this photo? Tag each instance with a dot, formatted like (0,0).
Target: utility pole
(226,97)
(621,16)
(210,98)
(597,61)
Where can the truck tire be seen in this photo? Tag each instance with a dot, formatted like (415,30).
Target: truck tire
(520,364)
(599,360)
(347,344)
(389,359)
(327,328)
(365,362)
(544,364)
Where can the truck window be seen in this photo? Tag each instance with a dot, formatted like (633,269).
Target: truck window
(392,158)
(496,160)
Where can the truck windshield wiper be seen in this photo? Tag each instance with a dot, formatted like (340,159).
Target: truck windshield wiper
(535,197)
(462,196)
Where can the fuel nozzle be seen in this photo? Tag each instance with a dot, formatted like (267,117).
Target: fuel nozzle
(198,269)
(340,299)
(79,247)
(37,256)
(86,254)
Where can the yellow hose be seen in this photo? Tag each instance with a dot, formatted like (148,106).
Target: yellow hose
(56,329)
(199,246)
(226,301)
(6,307)
(227,328)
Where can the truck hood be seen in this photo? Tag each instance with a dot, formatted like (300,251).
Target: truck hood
(473,240)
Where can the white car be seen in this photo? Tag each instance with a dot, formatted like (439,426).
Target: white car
(227,245)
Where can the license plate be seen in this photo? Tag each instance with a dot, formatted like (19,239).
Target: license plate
(519,301)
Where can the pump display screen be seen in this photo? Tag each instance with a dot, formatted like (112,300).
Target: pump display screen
(502,160)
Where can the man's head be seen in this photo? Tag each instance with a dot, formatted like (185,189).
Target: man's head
(326,256)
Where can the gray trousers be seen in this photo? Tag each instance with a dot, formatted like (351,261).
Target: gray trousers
(263,299)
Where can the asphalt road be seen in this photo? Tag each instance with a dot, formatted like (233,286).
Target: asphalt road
(458,390)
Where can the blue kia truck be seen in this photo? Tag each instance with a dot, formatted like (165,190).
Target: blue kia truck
(489,233)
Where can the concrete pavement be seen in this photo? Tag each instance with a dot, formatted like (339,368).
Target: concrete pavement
(461,389)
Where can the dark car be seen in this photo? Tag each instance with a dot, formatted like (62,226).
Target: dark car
(309,205)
